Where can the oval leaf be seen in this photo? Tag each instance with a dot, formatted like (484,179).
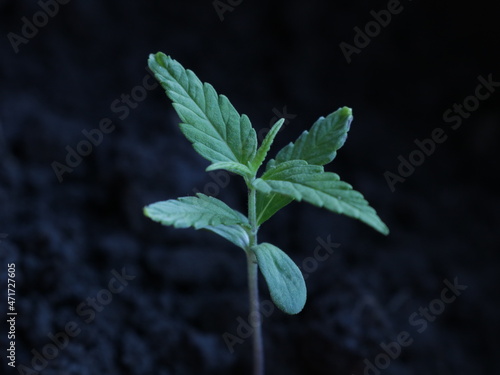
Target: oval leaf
(284,279)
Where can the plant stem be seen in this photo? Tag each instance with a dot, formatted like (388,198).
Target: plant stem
(253,287)
(252,214)
(255,317)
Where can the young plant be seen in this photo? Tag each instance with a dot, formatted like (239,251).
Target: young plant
(227,139)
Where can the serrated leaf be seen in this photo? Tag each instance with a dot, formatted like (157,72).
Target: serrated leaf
(319,145)
(301,181)
(266,145)
(197,212)
(284,279)
(230,166)
(218,132)
(234,233)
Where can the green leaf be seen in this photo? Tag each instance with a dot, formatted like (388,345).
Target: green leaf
(231,166)
(234,233)
(197,212)
(265,146)
(301,181)
(284,279)
(319,145)
(218,132)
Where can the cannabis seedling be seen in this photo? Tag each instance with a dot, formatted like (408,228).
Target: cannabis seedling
(228,140)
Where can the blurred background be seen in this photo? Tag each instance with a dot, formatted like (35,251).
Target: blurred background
(140,298)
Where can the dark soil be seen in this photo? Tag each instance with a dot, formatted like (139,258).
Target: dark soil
(187,288)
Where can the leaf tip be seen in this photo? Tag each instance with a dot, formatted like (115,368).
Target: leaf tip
(153,57)
(346,110)
(145,211)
